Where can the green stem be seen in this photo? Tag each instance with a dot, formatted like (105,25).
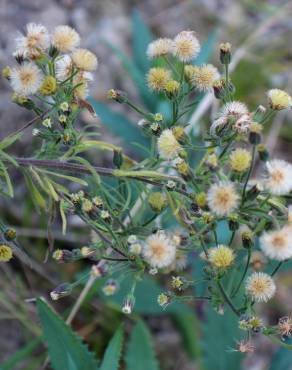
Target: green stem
(277,268)
(227,299)
(249,173)
(244,273)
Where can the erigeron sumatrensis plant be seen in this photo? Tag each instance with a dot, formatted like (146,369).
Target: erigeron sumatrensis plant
(51,78)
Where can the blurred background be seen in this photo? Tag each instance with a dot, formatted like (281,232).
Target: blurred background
(118,32)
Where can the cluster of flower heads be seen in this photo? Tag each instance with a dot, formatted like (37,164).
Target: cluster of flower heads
(220,188)
(47,60)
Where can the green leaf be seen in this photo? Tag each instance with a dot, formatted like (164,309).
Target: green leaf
(66,349)
(188,327)
(112,354)
(140,354)
(9,140)
(120,126)
(141,38)
(220,332)
(282,359)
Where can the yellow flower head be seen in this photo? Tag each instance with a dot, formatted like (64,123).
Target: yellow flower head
(240,160)
(84,60)
(157,78)
(171,87)
(201,199)
(221,257)
(189,71)
(5,253)
(279,99)
(48,86)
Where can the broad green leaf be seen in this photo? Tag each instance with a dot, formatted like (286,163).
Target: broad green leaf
(282,359)
(140,354)
(141,38)
(120,126)
(219,333)
(63,344)
(112,354)
(188,327)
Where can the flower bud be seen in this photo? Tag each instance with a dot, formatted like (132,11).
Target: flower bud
(99,270)
(6,72)
(110,287)
(177,282)
(10,234)
(247,238)
(63,255)
(5,253)
(61,291)
(117,95)
(233,223)
(164,299)
(128,304)
(49,86)
(225,53)
(118,158)
(255,130)
(157,201)
(179,134)
(263,153)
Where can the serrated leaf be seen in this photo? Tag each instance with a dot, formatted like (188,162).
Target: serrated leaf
(140,354)
(120,126)
(142,36)
(113,352)
(220,333)
(63,343)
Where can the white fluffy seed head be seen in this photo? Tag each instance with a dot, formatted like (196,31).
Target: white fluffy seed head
(159,47)
(234,108)
(65,39)
(260,287)
(84,60)
(36,40)
(168,146)
(64,67)
(279,180)
(186,46)
(277,244)
(222,198)
(204,76)
(159,250)
(26,79)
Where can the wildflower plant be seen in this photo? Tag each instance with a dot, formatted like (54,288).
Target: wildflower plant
(129,219)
